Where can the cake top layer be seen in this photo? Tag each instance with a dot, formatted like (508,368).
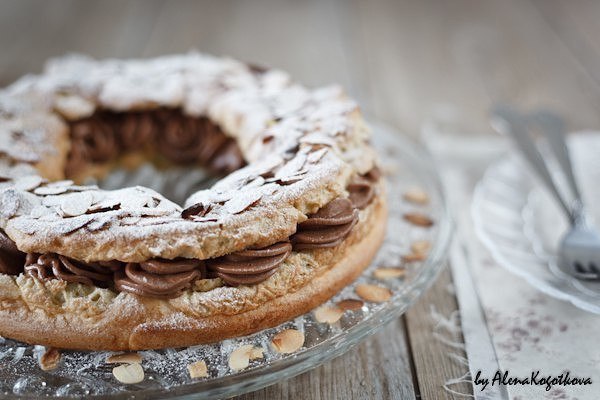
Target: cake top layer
(302,147)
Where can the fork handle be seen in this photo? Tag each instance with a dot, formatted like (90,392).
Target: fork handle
(553,128)
(505,119)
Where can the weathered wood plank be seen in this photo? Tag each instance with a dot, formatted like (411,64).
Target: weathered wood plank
(433,364)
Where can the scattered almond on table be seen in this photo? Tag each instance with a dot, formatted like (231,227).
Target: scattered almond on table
(240,358)
(373,293)
(328,314)
(198,369)
(129,373)
(50,359)
(288,341)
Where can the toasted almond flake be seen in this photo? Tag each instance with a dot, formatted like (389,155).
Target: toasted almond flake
(50,359)
(389,273)
(288,341)
(242,201)
(129,373)
(418,219)
(29,182)
(198,369)
(73,107)
(240,357)
(127,358)
(416,195)
(421,246)
(350,304)
(75,204)
(328,314)
(373,293)
(414,257)
(50,190)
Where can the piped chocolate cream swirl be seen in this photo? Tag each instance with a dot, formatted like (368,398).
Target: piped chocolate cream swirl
(49,266)
(250,266)
(328,227)
(163,279)
(180,138)
(92,140)
(135,130)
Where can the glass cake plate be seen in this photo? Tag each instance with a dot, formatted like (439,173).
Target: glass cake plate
(166,375)
(521,224)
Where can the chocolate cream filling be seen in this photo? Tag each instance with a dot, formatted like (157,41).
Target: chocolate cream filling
(179,138)
(165,279)
(250,266)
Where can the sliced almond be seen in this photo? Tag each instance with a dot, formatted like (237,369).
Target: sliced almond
(73,107)
(198,369)
(288,341)
(328,314)
(416,195)
(75,204)
(240,357)
(389,273)
(50,359)
(125,358)
(242,201)
(350,304)
(414,257)
(418,219)
(129,373)
(29,182)
(373,293)
(421,246)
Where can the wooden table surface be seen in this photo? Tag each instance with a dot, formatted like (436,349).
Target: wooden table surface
(404,61)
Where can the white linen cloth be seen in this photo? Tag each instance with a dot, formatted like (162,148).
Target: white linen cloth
(508,325)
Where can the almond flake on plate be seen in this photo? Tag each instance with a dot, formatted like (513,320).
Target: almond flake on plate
(373,293)
(128,358)
(414,257)
(129,373)
(328,314)
(350,304)
(418,219)
(50,359)
(240,357)
(389,273)
(420,246)
(288,341)
(198,369)
(416,195)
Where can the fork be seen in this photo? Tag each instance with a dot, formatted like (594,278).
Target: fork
(579,251)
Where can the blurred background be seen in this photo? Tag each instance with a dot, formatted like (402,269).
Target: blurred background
(405,61)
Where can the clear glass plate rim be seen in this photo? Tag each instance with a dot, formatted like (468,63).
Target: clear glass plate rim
(254,379)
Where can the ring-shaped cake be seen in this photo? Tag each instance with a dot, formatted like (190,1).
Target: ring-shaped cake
(298,214)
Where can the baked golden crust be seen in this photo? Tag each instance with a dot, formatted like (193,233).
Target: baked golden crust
(75,316)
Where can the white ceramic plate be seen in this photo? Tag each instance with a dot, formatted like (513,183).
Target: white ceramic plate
(521,225)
